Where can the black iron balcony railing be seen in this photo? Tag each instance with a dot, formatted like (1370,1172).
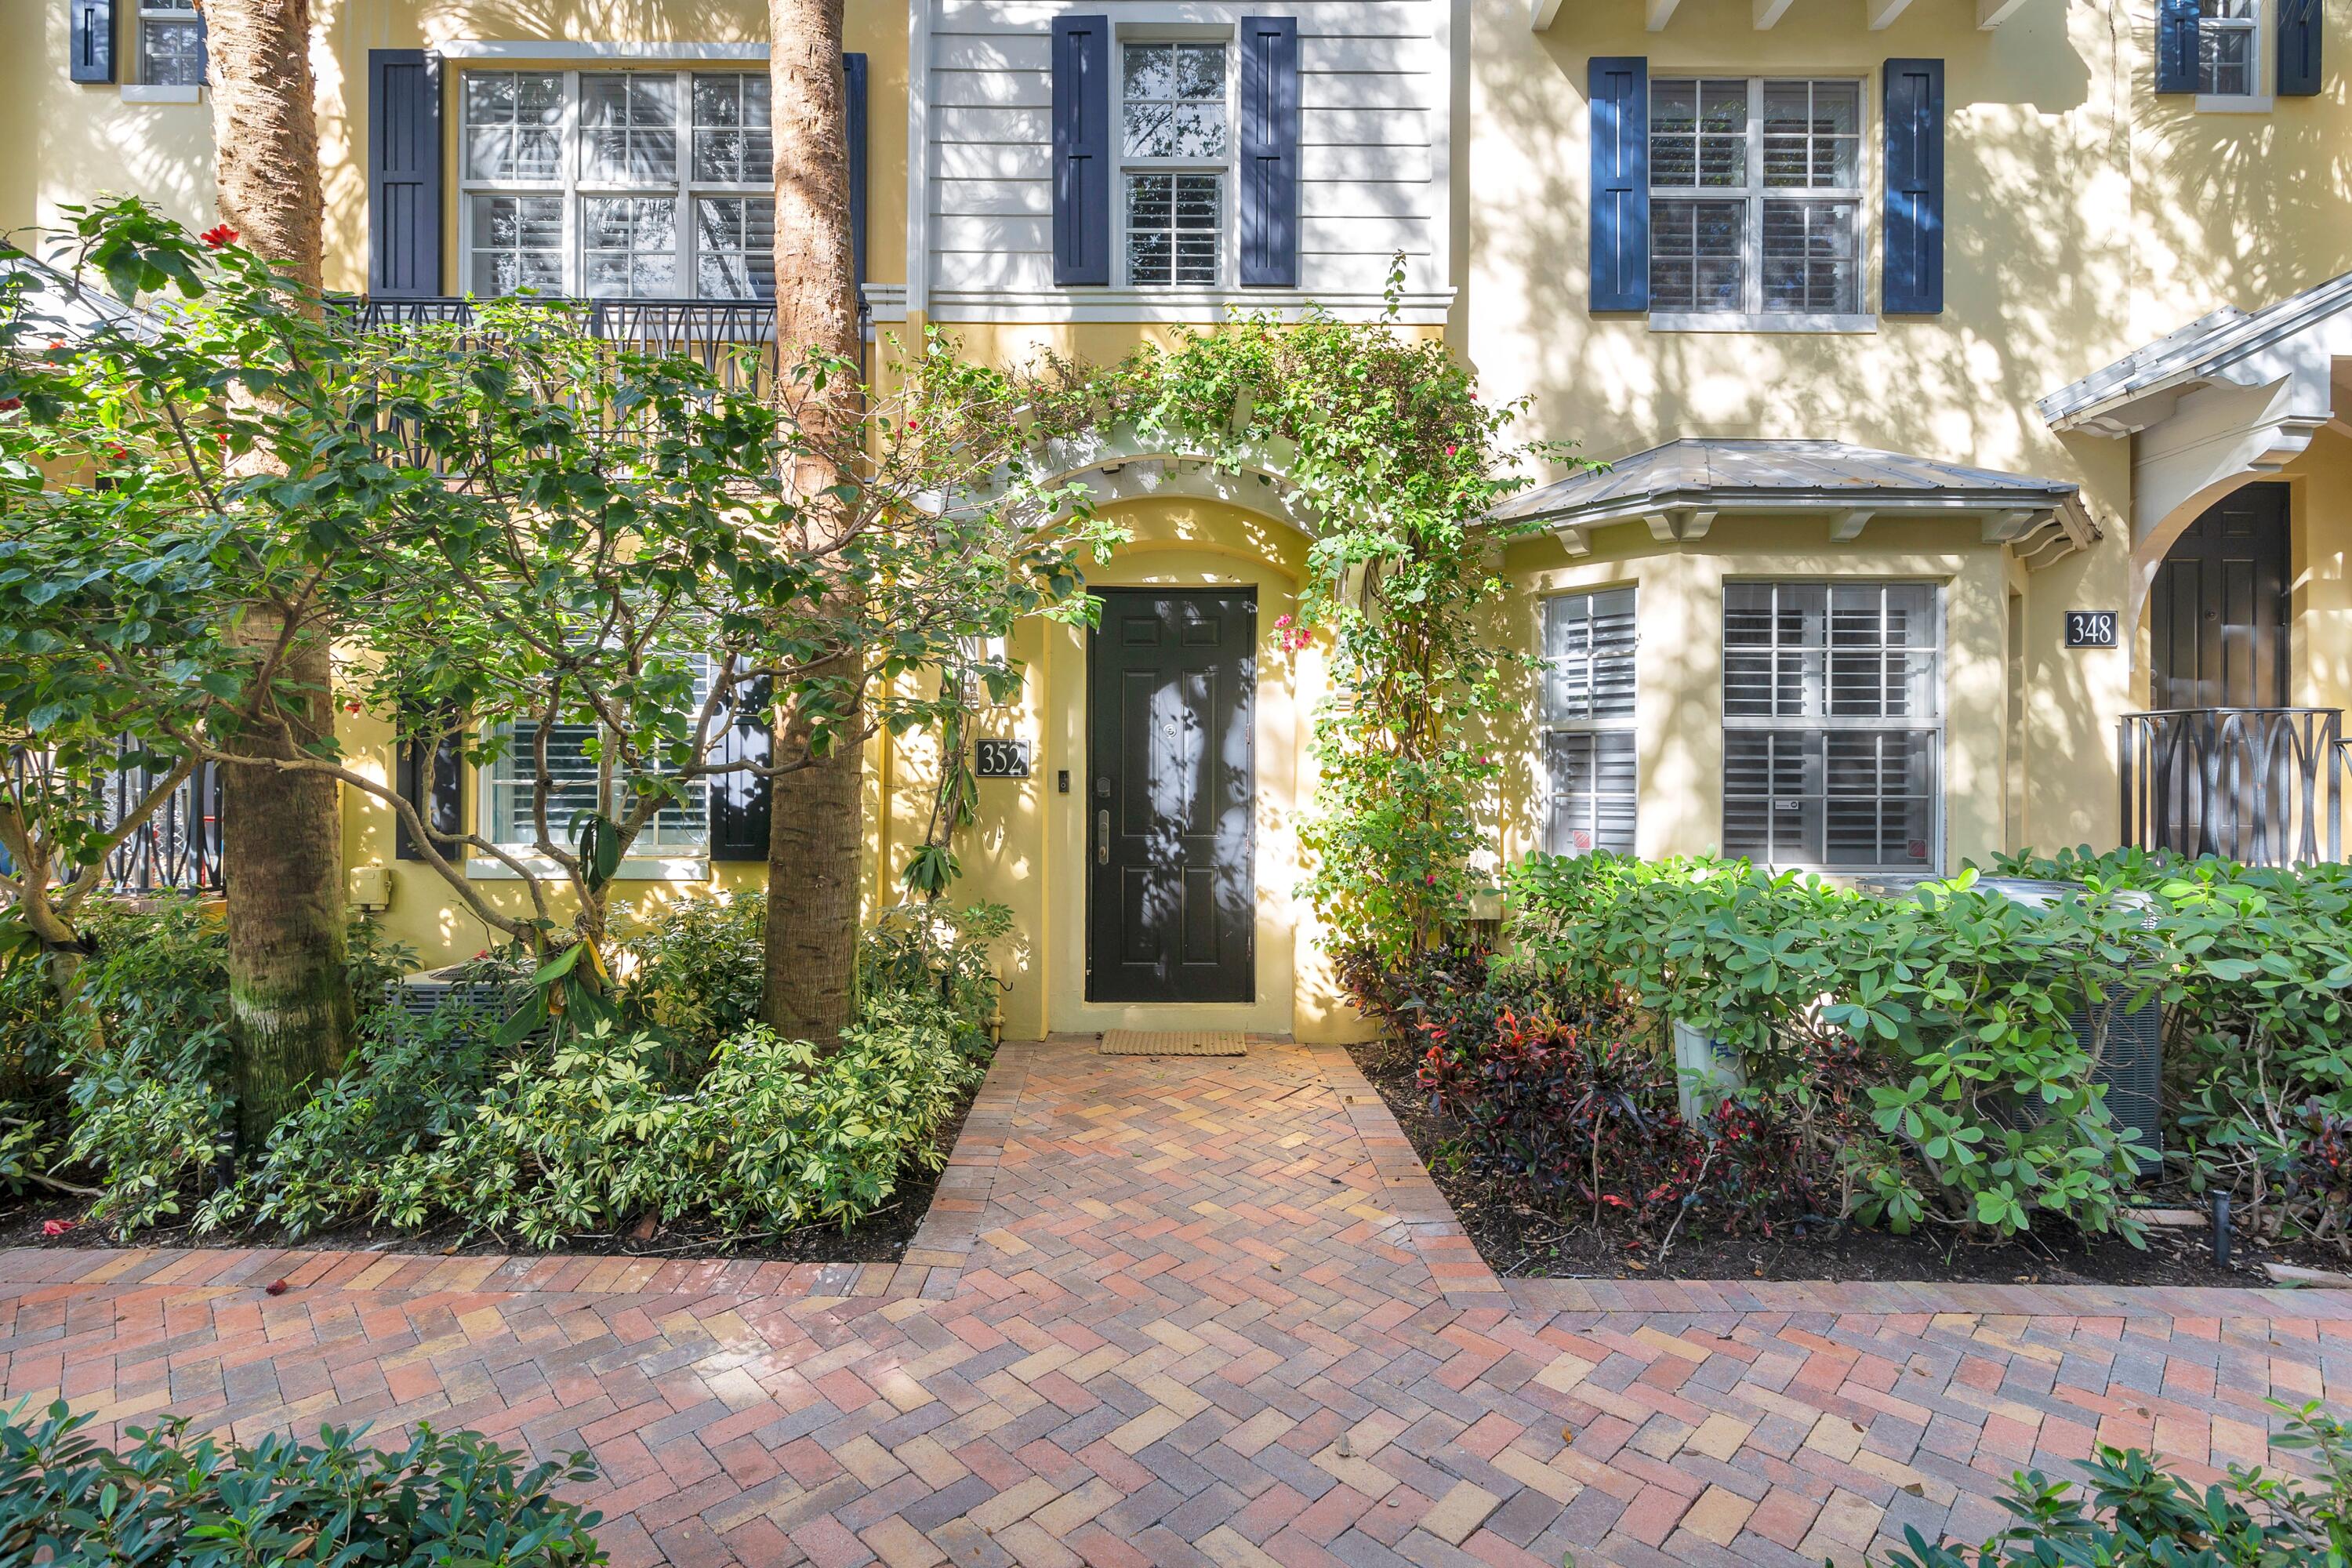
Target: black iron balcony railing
(2261,785)
(179,845)
(735,340)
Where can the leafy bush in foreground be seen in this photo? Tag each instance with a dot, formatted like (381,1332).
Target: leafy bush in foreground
(2136,1513)
(444,1500)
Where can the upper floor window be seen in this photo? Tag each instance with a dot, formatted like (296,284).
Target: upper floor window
(1175,148)
(171,43)
(618,184)
(2227,34)
(1588,721)
(1755,198)
(1833,704)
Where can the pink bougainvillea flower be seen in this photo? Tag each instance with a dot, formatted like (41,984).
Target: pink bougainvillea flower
(53,1228)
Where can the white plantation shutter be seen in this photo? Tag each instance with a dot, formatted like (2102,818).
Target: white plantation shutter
(1833,710)
(1588,710)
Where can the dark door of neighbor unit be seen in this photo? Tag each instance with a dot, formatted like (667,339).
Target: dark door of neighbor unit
(2218,626)
(2219,618)
(1171,677)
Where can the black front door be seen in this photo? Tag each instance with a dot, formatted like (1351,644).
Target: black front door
(2218,620)
(1172,897)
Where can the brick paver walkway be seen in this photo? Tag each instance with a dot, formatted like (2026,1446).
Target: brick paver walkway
(1175,1311)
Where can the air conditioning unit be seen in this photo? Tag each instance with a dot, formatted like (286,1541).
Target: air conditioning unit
(2131,1065)
(424,994)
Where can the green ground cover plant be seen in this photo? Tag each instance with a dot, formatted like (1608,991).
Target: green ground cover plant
(442,1499)
(684,1112)
(2128,1509)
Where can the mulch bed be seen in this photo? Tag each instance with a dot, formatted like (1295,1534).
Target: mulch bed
(1518,1241)
(881,1238)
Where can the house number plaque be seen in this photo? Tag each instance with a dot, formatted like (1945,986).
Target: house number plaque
(2090,628)
(1002,760)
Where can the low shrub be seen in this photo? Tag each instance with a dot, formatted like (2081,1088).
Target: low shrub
(443,1499)
(1952,1010)
(695,970)
(2258,1036)
(2128,1511)
(935,949)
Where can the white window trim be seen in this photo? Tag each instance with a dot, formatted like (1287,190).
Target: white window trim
(1753,195)
(635,869)
(486,822)
(1546,726)
(2258,98)
(1228,183)
(1938,727)
(573,189)
(144,16)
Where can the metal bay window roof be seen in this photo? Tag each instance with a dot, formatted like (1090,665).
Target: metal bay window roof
(1680,487)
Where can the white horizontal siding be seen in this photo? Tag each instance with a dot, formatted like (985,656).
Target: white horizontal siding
(1373,89)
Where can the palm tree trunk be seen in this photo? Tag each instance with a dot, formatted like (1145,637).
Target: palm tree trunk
(817,831)
(281,833)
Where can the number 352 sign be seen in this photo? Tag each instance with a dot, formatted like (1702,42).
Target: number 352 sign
(2090,628)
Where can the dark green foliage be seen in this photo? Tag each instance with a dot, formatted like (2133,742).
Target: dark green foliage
(2128,1511)
(442,1501)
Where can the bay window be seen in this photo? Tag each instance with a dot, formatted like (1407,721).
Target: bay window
(1833,703)
(617,185)
(1588,721)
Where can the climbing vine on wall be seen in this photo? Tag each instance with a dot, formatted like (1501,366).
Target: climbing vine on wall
(1384,437)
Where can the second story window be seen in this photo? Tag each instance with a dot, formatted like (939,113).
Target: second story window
(1755,198)
(1175,143)
(2227,33)
(618,184)
(171,43)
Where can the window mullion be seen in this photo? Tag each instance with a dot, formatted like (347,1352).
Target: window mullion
(1752,283)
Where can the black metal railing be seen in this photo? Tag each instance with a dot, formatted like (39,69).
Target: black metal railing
(2261,785)
(735,340)
(179,845)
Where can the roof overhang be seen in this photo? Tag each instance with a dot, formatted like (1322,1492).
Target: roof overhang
(2233,394)
(1678,490)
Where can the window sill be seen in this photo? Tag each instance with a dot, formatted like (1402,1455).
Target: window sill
(646,868)
(2234,103)
(1711,321)
(149,92)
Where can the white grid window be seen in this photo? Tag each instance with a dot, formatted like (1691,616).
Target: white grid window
(510,789)
(1756,198)
(171,43)
(1833,718)
(618,184)
(1175,144)
(1587,713)
(2228,47)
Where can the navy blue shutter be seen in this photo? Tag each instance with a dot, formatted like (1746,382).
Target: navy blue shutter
(852,85)
(740,803)
(437,789)
(1913,281)
(1081,149)
(2300,26)
(90,24)
(1617,87)
(1269,194)
(2175,46)
(403,174)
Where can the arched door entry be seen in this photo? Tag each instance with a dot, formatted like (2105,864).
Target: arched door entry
(2219,613)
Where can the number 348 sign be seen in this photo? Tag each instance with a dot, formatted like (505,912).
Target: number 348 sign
(2091,628)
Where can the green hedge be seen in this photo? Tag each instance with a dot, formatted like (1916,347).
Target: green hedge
(1962,1000)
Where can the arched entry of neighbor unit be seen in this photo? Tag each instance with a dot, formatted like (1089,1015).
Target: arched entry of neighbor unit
(2223,761)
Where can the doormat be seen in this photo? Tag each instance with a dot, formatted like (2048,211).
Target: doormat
(1172,1043)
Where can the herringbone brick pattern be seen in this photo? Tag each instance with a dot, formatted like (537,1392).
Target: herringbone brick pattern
(1188,1310)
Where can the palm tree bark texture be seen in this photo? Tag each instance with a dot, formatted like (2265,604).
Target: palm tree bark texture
(282,832)
(816,830)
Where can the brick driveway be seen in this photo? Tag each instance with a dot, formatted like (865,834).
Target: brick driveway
(1182,1311)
